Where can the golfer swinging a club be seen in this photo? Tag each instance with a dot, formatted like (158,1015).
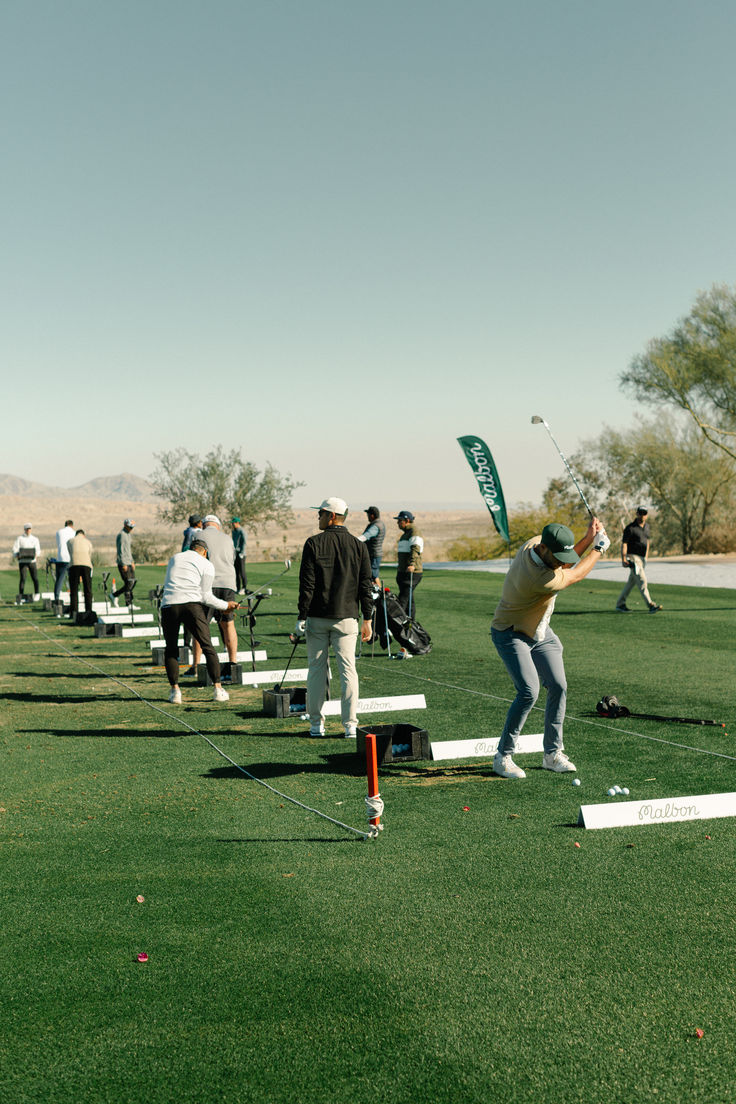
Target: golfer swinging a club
(531,652)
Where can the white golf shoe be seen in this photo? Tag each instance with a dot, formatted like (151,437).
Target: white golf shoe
(351,731)
(220,694)
(558,761)
(175,696)
(506,767)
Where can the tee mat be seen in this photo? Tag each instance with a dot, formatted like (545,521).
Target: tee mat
(378,705)
(662,810)
(475,749)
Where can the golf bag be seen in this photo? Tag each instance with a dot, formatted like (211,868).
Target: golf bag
(407,632)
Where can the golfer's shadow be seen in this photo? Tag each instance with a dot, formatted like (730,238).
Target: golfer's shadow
(349,765)
(57,699)
(105,733)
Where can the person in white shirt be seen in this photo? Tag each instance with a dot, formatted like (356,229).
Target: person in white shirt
(27,551)
(63,556)
(186,596)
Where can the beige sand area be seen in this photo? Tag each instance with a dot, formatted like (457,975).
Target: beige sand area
(101,518)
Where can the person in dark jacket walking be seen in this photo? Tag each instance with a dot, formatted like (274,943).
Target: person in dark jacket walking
(334,588)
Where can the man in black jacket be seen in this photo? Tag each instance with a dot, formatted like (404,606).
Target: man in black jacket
(334,588)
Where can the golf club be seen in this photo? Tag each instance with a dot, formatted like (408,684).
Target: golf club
(536,420)
(385,621)
(259,591)
(295,641)
(609,706)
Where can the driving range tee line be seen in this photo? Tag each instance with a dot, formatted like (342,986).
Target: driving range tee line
(364,834)
(569,716)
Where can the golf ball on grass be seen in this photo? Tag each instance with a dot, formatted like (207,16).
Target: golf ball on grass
(611,791)
(576,781)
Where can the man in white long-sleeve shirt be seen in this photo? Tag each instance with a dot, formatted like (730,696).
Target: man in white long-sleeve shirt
(187,593)
(27,551)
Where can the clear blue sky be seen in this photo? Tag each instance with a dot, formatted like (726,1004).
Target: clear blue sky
(340,234)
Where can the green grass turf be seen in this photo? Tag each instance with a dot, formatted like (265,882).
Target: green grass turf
(463,956)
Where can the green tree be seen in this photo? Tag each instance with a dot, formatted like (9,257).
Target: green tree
(222,483)
(686,480)
(694,368)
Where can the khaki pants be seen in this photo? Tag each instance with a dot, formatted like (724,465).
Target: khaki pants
(637,577)
(343,636)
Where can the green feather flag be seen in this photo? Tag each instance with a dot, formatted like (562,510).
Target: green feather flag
(479,457)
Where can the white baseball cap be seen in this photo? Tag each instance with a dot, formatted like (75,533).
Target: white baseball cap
(334,506)
(211,519)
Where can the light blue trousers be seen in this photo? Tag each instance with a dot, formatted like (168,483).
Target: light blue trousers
(530,662)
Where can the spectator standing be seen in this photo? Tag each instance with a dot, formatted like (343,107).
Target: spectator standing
(409,571)
(80,569)
(63,556)
(221,555)
(334,588)
(192,530)
(239,544)
(186,599)
(634,551)
(373,537)
(27,551)
(126,563)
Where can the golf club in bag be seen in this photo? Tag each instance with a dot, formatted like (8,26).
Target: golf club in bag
(609,706)
(393,620)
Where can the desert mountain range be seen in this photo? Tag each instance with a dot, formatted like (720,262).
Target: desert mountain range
(130,487)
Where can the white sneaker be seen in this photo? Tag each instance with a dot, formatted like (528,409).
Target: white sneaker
(506,767)
(351,731)
(220,694)
(175,696)
(558,761)
(317,729)
(37,598)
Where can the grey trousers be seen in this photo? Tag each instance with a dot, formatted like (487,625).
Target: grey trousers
(343,636)
(637,577)
(528,662)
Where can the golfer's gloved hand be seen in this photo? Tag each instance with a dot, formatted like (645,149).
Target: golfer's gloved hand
(300,628)
(601,542)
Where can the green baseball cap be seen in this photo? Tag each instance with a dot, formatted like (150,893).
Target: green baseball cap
(560,542)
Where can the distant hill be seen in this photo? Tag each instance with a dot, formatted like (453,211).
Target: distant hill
(126,486)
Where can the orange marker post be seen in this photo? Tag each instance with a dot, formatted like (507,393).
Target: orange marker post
(371,765)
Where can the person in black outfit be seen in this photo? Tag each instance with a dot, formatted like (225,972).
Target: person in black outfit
(334,588)
(634,548)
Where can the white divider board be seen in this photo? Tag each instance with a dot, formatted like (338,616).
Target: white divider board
(180,640)
(133,630)
(125,618)
(661,810)
(379,705)
(469,749)
(241,657)
(270,678)
(97,606)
